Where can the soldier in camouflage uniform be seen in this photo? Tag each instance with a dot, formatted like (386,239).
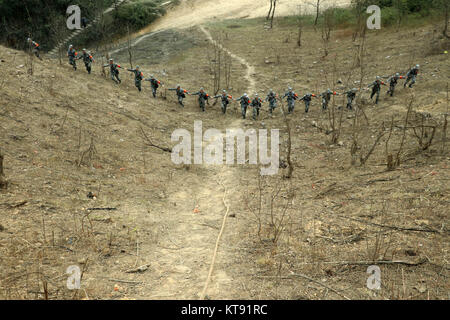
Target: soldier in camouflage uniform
(34,47)
(351,94)
(272,99)
(411,76)
(181,94)
(245,101)
(256,105)
(72,54)
(202,98)
(114,71)
(154,83)
(87,59)
(326,97)
(393,82)
(376,88)
(291,97)
(307,99)
(138,77)
(225,100)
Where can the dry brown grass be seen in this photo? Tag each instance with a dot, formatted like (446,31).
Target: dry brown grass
(340,217)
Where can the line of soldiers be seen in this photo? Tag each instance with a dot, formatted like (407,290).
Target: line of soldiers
(290,95)
(86,56)
(245,101)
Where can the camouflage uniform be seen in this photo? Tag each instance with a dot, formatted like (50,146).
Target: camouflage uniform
(256,105)
(291,97)
(34,47)
(272,99)
(245,101)
(411,76)
(225,100)
(393,82)
(154,84)
(202,98)
(376,88)
(87,59)
(326,97)
(138,77)
(351,94)
(114,71)
(72,54)
(307,99)
(181,94)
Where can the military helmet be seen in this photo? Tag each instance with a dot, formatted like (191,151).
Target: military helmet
(111,60)
(417,66)
(71,46)
(354,89)
(397,74)
(84,49)
(178,86)
(245,94)
(137,67)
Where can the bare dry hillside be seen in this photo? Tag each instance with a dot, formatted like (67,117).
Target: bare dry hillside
(66,134)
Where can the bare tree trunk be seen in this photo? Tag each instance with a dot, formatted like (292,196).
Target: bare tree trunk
(273,13)
(317,13)
(270,10)
(446,5)
(129,47)
(3,182)
(288,156)
(300,27)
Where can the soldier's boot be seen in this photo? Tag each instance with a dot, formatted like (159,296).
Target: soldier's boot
(406,82)
(391,91)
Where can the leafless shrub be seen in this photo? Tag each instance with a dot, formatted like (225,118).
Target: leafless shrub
(270,204)
(88,155)
(378,250)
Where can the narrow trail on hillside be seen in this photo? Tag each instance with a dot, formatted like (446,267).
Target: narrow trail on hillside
(201,263)
(193,258)
(226,171)
(250,69)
